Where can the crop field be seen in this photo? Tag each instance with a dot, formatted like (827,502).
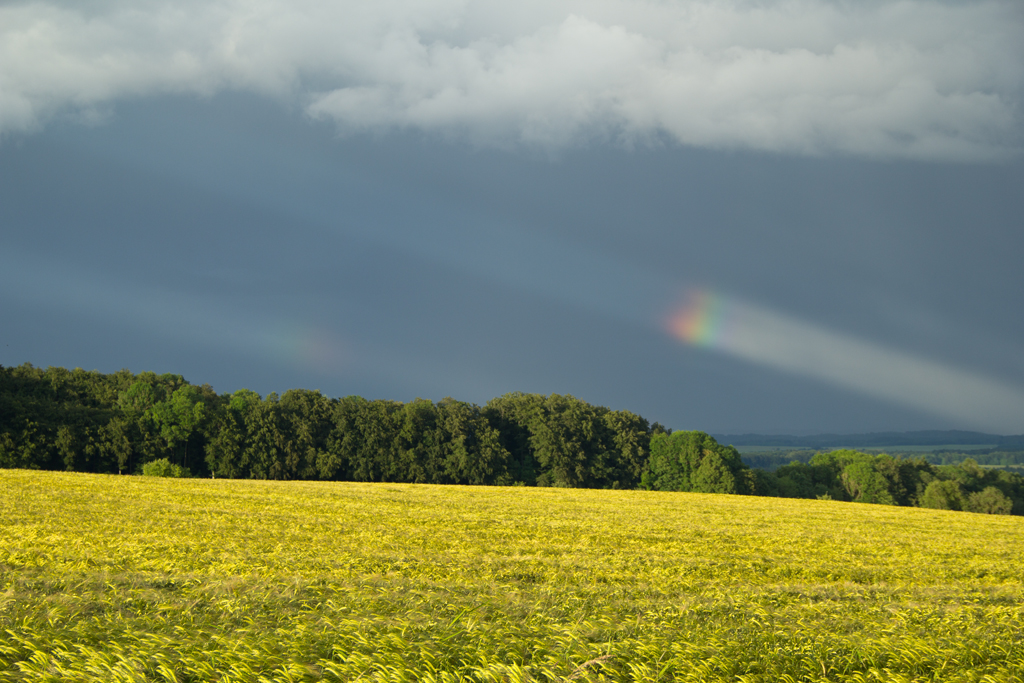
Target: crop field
(143,579)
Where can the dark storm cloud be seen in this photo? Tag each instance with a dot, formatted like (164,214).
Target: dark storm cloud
(527,197)
(245,247)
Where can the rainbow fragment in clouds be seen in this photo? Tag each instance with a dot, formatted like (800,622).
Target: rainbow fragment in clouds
(706,321)
(776,340)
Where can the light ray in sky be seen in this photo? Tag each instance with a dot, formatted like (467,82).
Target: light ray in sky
(200,322)
(758,335)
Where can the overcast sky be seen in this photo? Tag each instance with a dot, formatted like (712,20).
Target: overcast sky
(782,217)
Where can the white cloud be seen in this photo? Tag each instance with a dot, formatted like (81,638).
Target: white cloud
(908,79)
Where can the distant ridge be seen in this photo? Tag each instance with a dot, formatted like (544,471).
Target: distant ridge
(931,437)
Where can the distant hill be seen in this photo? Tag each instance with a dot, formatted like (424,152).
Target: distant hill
(931,437)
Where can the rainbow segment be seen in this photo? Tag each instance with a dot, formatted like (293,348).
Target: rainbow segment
(708,320)
(314,348)
(776,340)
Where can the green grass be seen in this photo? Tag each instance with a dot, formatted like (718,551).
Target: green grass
(132,579)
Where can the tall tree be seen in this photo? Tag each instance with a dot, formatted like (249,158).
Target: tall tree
(694,461)
(179,417)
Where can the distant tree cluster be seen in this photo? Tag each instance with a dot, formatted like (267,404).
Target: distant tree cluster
(887,480)
(987,457)
(161,425)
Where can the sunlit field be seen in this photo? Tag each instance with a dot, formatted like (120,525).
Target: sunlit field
(142,579)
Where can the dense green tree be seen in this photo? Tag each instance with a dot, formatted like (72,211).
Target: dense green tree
(471,450)
(631,443)
(418,458)
(694,461)
(179,417)
(943,495)
(263,456)
(1012,486)
(800,480)
(164,468)
(308,421)
(511,416)
(989,501)
(376,454)
(226,437)
(563,442)
(116,445)
(22,447)
(67,447)
(864,483)
(336,461)
(137,399)
(714,475)
(762,483)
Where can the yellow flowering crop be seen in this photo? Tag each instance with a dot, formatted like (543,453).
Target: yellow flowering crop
(112,578)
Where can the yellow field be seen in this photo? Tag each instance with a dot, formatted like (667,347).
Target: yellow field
(131,579)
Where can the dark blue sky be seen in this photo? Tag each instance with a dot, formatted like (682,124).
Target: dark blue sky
(807,281)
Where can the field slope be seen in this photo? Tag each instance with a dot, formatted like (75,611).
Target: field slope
(132,578)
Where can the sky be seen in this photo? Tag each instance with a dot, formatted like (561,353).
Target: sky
(736,215)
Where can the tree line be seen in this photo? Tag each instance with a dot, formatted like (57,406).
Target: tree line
(116,423)
(987,457)
(125,423)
